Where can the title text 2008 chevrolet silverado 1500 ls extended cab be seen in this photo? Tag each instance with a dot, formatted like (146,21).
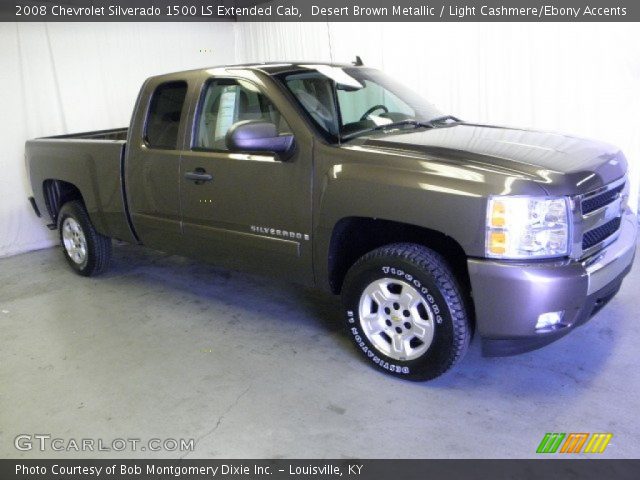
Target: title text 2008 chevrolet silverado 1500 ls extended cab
(338,177)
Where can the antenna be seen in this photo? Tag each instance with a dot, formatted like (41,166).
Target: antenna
(358,62)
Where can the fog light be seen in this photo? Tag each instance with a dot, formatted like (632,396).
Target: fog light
(550,320)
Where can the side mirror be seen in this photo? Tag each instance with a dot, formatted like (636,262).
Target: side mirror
(257,136)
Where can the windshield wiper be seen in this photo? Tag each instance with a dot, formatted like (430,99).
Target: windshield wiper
(387,126)
(400,123)
(444,119)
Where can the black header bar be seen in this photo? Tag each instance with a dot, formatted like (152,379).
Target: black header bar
(320,10)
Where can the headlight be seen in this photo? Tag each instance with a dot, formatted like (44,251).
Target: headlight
(527,227)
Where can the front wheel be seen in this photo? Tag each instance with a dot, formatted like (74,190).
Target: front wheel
(406,312)
(87,251)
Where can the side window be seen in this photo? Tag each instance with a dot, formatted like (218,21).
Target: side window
(226,102)
(163,118)
(315,92)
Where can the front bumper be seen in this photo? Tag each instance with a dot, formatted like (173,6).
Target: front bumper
(510,296)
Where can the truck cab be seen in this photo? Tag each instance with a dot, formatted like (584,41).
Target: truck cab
(191,194)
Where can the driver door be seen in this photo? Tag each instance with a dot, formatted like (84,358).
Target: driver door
(242,209)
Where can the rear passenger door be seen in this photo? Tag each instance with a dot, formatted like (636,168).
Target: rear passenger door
(254,211)
(153,165)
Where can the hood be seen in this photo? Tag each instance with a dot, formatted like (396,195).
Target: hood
(561,164)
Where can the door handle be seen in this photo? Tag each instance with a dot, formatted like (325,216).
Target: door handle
(199,176)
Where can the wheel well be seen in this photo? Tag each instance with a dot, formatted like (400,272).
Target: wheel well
(355,236)
(57,193)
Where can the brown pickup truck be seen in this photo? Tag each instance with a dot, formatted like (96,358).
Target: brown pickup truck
(338,177)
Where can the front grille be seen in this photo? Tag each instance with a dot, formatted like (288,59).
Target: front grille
(598,201)
(597,235)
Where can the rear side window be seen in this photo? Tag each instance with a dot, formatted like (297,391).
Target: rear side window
(163,119)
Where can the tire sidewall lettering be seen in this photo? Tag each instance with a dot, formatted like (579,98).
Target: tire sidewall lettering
(411,280)
(369,352)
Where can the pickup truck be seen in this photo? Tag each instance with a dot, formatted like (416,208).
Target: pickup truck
(336,176)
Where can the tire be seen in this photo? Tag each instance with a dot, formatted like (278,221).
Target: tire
(406,312)
(87,251)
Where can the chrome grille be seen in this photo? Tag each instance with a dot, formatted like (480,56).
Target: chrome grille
(598,217)
(601,200)
(597,235)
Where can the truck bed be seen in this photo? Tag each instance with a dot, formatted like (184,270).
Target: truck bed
(93,163)
(113,134)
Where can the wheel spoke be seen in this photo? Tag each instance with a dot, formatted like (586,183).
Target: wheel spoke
(398,345)
(373,324)
(419,331)
(407,298)
(380,295)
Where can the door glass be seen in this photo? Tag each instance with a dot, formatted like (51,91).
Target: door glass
(227,102)
(163,119)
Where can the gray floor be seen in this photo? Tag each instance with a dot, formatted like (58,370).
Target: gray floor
(162,347)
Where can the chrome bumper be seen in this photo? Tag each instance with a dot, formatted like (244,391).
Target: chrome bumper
(509,297)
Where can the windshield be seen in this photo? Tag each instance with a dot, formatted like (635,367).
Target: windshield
(346,102)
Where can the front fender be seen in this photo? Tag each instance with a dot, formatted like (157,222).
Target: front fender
(404,196)
(445,197)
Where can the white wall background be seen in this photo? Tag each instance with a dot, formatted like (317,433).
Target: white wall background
(60,78)
(582,79)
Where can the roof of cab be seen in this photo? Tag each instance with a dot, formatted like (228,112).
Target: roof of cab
(270,68)
(275,68)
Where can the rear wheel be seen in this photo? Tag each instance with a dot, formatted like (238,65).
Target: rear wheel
(87,251)
(406,312)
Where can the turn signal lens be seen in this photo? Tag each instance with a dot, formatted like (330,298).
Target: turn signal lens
(497,243)
(498,211)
